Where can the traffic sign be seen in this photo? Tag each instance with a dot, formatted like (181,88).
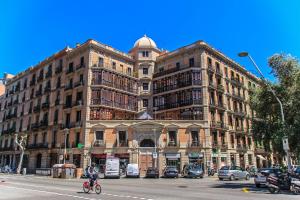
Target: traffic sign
(285,143)
(154,155)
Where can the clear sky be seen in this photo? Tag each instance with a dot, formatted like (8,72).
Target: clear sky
(33,30)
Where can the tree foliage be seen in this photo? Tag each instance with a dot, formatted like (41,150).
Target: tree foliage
(267,125)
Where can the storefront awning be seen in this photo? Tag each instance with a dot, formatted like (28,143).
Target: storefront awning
(261,157)
(195,155)
(172,155)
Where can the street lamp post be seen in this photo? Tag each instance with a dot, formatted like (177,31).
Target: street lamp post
(246,54)
(66,131)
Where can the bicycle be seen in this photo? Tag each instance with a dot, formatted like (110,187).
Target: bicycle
(87,187)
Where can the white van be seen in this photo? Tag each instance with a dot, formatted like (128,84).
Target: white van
(112,168)
(132,170)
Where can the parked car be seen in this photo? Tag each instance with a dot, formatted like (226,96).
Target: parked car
(132,170)
(192,171)
(170,172)
(261,177)
(233,173)
(152,173)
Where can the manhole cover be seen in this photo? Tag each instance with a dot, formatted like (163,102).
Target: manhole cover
(182,186)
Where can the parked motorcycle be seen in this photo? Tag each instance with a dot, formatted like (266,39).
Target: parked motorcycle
(211,172)
(295,185)
(278,182)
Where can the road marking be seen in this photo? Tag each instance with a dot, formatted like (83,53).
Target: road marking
(246,190)
(54,193)
(56,188)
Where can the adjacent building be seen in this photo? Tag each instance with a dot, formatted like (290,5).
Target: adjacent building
(148,106)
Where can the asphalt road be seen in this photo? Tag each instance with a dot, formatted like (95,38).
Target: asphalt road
(44,188)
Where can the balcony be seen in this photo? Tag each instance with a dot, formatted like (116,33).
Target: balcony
(70,70)
(215,145)
(68,87)
(49,74)
(221,106)
(173,143)
(35,126)
(224,146)
(241,148)
(79,83)
(68,105)
(236,81)
(174,69)
(237,97)
(259,150)
(40,78)
(57,101)
(32,82)
(47,89)
(37,108)
(43,123)
(38,146)
(194,144)
(122,143)
(99,143)
(210,68)
(220,88)
(38,93)
(239,113)
(78,103)
(16,102)
(58,69)
(218,125)
(219,72)
(45,105)
(80,66)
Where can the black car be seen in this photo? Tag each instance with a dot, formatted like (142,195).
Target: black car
(152,172)
(192,171)
(170,172)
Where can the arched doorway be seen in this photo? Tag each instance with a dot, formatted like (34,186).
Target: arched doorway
(146,159)
(147,143)
(38,161)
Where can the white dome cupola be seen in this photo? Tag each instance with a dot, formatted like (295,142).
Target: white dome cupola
(145,42)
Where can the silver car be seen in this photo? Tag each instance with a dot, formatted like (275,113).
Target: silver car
(233,173)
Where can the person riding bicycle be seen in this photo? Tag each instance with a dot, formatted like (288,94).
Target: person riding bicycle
(93,174)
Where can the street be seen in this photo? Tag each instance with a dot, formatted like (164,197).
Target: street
(34,188)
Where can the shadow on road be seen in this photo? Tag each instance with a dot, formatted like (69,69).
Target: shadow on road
(249,187)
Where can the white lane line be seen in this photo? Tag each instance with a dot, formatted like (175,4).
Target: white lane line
(69,190)
(54,193)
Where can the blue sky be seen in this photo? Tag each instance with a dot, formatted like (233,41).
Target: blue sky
(33,30)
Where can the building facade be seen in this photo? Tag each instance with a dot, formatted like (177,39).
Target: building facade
(150,107)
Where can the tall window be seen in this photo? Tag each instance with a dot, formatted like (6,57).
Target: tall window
(113,65)
(100,62)
(77,140)
(172,138)
(44,137)
(178,65)
(191,62)
(145,53)
(99,135)
(145,102)
(129,71)
(78,116)
(145,70)
(145,86)
(82,61)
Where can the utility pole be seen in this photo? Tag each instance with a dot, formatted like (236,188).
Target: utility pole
(285,138)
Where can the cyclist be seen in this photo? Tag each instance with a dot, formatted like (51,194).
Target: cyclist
(93,174)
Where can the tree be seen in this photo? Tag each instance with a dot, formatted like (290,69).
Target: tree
(21,142)
(267,125)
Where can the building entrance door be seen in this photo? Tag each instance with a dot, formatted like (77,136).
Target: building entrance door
(146,161)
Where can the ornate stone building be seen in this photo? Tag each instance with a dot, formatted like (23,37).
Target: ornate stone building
(150,107)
